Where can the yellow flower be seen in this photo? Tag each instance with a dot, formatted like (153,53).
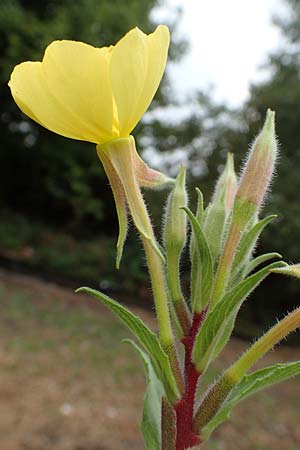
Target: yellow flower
(99,95)
(92,94)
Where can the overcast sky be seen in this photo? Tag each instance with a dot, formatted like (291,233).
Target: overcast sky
(229,40)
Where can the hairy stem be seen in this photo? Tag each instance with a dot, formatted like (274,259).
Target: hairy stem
(179,303)
(186,437)
(160,293)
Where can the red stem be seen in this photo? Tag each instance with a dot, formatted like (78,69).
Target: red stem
(184,409)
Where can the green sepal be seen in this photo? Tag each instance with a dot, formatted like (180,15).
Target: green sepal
(122,155)
(120,201)
(218,325)
(147,338)
(247,245)
(250,385)
(204,286)
(151,418)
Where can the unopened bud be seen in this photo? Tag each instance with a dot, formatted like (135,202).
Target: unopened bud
(227,184)
(253,186)
(175,219)
(211,403)
(214,226)
(220,207)
(259,168)
(175,237)
(257,174)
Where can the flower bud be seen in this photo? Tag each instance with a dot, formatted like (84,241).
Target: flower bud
(227,184)
(174,238)
(176,219)
(221,205)
(211,403)
(253,186)
(259,168)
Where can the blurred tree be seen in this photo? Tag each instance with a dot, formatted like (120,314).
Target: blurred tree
(47,177)
(44,175)
(281,92)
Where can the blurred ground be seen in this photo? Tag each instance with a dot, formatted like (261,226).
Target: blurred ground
(68,383)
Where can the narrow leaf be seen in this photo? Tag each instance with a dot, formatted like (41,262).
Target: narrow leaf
(199,212)
(201,298)
(254,263)
(151,419)
(219,322)
(194,257)
(247,244)
(147,338)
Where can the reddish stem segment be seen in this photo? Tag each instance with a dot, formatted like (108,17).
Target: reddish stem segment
(184,409)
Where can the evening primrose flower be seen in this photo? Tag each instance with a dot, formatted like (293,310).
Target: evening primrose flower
(99,95)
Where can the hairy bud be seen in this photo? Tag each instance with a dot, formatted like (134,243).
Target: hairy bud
(253,186)
(259,168)
(220,207)
(227,184)
(174,238)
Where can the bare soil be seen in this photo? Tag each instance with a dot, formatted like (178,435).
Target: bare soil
(68,383)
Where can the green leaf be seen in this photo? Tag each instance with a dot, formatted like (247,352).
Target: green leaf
(254,263)
(219,322)
(247,244)
(249,385)
(147,338)
(251,266)
(202,295)
(199,212)
(151,419)
(195,262)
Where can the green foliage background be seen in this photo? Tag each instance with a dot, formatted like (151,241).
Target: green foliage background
(57,211)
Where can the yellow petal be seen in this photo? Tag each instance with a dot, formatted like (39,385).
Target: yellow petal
(69,92)
(136,68)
